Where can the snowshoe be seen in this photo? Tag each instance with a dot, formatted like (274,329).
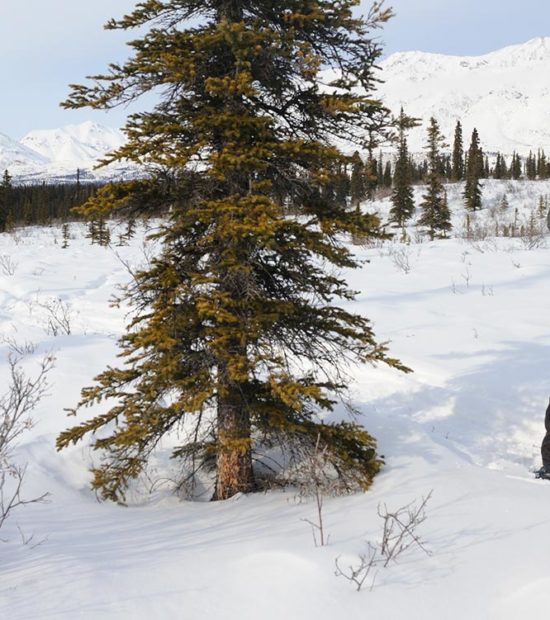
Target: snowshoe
(543,473)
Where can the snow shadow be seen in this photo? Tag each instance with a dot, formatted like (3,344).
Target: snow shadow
(491,416)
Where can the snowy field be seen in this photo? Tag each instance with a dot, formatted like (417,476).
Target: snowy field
(471,317)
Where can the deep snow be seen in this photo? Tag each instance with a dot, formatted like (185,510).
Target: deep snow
(471,319)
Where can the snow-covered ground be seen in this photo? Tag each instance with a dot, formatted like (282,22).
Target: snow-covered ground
(470,317)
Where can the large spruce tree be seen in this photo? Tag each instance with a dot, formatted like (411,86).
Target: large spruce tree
(239,340)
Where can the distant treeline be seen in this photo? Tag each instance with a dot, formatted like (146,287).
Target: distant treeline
(380,170)
(24,205)
(360,179)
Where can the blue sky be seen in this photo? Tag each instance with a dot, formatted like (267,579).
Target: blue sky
(47,44)
(464,27)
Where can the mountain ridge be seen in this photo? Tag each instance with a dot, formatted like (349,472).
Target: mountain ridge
(86,142)
(55,155)
(503,94)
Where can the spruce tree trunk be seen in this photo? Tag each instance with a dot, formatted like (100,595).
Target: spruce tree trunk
(234,459)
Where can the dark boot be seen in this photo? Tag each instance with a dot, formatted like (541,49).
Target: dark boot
(543,473)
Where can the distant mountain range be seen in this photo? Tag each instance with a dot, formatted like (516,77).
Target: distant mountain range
(57,154)
(505,94)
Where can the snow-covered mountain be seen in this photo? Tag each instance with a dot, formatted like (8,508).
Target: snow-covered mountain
(504,94)
(16,154)
(57,154)
(80,144)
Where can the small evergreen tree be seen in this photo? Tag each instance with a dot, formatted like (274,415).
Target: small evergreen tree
(531,167)
(447,168)
(500,170)
(486,166)
(444,221)
(515,167)
(92,232)
(103,232)
(342,185)
(358,191)
(433,215)
(542,165)
(504,204)
(380,169)
(387,178)
(402,194)
(371,177)
(457,166)
(5,200)
(65,235)
(474,172)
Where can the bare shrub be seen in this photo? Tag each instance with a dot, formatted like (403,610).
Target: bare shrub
(7,265)
(532,233)
(480,235)
(58,316)
(316,482)
(16,236)
(466,276)
(16,404)
(418,237)
(358,574)
(313,472)
(399,530)
(399,533)
(401,258)
(19,348)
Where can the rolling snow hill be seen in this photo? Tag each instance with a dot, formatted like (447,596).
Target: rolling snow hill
(504,94)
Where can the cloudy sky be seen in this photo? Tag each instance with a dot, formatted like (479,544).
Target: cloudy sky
(47,44)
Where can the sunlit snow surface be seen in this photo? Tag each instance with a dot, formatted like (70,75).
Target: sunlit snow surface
(471,319)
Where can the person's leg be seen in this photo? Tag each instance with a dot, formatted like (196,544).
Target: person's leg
(545,447)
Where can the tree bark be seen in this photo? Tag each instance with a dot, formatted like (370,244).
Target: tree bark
(234,459)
